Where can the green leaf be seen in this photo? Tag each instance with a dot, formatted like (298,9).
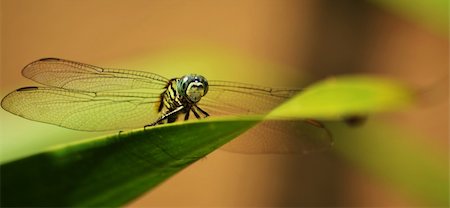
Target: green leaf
(112,170)
(338,97)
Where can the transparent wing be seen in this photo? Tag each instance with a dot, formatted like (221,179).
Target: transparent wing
(270,136)
(80,110)
(78,76)
(282,136)
(232,98)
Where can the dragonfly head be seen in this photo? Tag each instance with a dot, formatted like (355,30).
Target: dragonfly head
(193,87)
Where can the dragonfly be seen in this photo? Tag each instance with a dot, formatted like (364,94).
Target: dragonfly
(85,97)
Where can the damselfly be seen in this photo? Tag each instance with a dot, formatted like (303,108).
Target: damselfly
(90,98)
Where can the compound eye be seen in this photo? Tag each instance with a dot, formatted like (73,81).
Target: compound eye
(185,83)
(206,87)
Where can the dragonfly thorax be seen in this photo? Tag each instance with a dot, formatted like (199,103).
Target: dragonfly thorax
(192,87)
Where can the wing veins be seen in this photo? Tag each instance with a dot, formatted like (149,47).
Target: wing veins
(247,88)
(74,75)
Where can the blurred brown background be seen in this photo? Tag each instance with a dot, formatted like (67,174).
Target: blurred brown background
(282,43)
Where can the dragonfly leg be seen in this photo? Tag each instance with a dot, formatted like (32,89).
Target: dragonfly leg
(186,117)
(204,112)
(165,116)
(196,114)
(119,134)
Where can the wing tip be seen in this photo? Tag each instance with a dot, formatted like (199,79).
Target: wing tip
(27,89)
(6,101)
(42,60)
(27,67)
(49,59)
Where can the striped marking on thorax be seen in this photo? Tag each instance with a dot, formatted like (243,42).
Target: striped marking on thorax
(171,97)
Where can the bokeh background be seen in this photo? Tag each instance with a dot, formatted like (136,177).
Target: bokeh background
(285,43)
